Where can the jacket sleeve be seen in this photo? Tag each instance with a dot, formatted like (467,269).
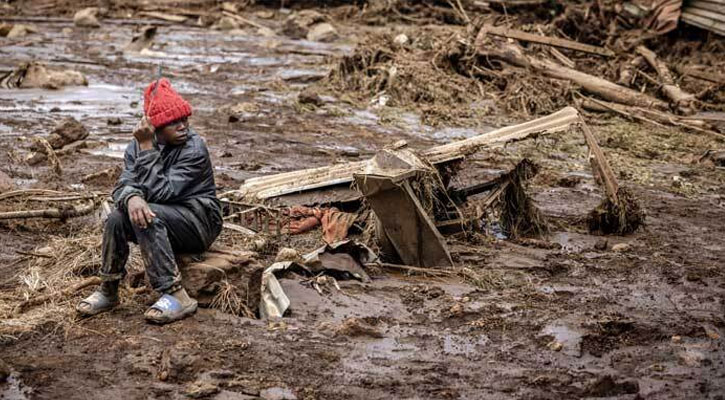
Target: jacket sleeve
(127,186)
(168,186)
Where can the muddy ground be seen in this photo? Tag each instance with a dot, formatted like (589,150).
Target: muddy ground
(583,320)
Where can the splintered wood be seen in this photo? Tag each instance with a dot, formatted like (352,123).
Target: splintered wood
(297,181)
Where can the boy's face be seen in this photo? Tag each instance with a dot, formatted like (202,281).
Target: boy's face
(174,133)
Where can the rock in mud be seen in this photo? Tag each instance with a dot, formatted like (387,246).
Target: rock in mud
(287,254)
(309,96)
(277,393)
(67,131)
(606,386)
(298,25)
(87,17)
(37,75)
(176,365)
(401,40)
(239,111)
(355,327)
(621,247)
(226,24)
(199,390)
(6,182)
(322,32)
(19,30)
(141,41)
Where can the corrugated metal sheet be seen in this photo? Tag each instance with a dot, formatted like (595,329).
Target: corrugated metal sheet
(707,14)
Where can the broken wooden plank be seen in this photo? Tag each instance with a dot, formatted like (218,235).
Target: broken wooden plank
(163,16)
(600,166)
(406,224)
(266,187)
(681,100)
(551,41)
(703,22)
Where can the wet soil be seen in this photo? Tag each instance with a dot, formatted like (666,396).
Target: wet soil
(645,321)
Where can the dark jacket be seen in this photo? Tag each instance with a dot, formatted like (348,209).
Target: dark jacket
(173,175)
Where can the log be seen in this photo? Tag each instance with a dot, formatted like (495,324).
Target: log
(59,213)
(514,55)
(628,70)
(680,100)
(20,308)
(703,75)
(546,40)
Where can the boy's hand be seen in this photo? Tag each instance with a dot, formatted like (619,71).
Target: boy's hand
(144,134)
(139,212)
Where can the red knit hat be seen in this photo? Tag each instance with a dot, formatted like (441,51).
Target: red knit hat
(164,105)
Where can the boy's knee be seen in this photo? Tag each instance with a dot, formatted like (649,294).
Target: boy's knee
(116,221)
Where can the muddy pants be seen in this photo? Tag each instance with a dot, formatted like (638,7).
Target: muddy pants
(176,228)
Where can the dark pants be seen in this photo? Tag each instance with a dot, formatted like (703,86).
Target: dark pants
(176,228)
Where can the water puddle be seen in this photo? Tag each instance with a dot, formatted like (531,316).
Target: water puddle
(569,338)
(14,389)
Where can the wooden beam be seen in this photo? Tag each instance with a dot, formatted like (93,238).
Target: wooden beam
(266,187)
(551,41)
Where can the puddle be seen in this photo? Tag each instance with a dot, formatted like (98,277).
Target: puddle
(14,389)
(569,338)
(389,349)
(114,150)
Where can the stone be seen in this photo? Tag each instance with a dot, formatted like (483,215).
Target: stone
(6,182)
(621,247)
(198,390)
(277,393)
(226,24)
(401,39)
(287,254)
(601,244)
(87,17)
(37,75)
(19,30)
(297,25)
(309,96)
(266,32)
(67,131)
(322,32)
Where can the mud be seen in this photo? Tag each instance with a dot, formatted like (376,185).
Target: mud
(536,322)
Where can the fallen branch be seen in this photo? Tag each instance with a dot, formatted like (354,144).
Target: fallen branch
(20,308)
(628,71)
(681,100)
(59,213)
(702,75)
(650,116)
(551,41)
